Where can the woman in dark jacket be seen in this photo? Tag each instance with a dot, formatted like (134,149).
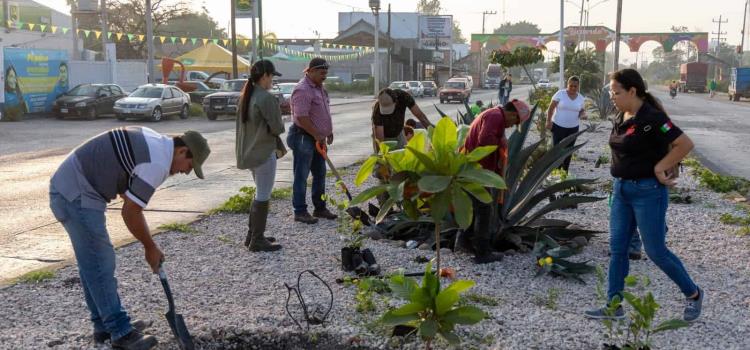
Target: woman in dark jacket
(646,148)
(257,147)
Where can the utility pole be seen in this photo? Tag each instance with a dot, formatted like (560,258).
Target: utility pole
(503,11)
(150,43)
(580,25)
(6,15)
(390,45)
(375,7)
(562,44)
(234,38)
(485,13)
(73,27)
(618,34)
(718,33)
(744,23)
(103,9)
(260,27)
(254,43)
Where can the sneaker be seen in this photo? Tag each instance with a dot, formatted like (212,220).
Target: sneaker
(693,307)
(139,325)
(306,218)
(325,214)
(604,313)
(135,340)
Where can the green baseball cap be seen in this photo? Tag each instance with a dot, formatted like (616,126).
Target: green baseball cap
(198,146)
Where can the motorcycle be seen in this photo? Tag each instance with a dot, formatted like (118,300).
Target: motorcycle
(673,92)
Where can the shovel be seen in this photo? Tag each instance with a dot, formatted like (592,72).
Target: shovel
(175,320)
(354,212)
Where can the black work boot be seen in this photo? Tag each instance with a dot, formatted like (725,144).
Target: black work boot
(135,340)
(325,214)
(249,235)
(139,325)
(305,217)
(259,215)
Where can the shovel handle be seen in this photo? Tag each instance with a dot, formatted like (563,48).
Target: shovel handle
(322,149)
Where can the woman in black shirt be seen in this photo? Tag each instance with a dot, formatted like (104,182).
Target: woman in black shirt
(646,147)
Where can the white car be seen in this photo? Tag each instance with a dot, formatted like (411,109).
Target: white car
(416,88)
(400,85)
(543,84)
(153,101)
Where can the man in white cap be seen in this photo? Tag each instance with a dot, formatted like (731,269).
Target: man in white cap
(388,114)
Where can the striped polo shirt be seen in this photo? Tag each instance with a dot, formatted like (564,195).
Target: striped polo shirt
(132,161)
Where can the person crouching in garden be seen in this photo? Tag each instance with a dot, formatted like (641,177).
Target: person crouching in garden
(488,129)
(646,148)
(258,146)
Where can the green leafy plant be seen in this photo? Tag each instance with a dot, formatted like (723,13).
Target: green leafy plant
(481,299)
(431,310)
(281,193)
(224,239)
(640,326)
(36,276)
(239,203)
(601,104)
(432,176)
(346,226)
(521,56)
(603,159)
(551,259)
(178,227)
(363,298)
(717,182)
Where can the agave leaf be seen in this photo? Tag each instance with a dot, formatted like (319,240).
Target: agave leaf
(559,204)
(515,167)
(442,114)
(565,234)
(518,138)
(529,202)
(469,113)
(549,223)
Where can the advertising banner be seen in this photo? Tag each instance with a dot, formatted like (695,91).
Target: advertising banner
(32,80)
(245,8)
(435,30)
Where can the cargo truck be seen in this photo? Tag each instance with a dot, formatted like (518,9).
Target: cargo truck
(693,77)
(739,83)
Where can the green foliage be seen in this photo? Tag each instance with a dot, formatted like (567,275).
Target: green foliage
(363,298)
(641,325)
(224,239)
(178,227)
(551,259)
(358,87)
(717,182)
(601,106)
(521,27)
(196,110)
(430,309)
(239,203)
(346,226)
(481,299)
(521,56)
(742,221)
(549,300)
(585,64)
(36,276)
(281,193)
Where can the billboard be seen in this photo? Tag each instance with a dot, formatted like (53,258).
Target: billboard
(245,8)
(32,80)
(436,31)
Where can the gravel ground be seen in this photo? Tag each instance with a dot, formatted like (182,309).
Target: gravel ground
(235,299)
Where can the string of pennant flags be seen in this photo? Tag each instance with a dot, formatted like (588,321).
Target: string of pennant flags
(358,51)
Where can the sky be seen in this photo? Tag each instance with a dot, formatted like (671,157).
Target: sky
(303,18)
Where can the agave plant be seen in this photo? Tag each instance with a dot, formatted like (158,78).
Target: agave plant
(518,224)
(432,176)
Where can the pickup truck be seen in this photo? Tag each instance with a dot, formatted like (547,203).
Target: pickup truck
(455,89)
(739,83)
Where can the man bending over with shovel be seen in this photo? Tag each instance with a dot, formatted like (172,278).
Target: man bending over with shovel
(131,162)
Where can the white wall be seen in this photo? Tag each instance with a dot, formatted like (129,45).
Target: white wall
(36,40)
(128,74)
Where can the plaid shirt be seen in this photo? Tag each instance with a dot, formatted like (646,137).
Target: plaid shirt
(309,100)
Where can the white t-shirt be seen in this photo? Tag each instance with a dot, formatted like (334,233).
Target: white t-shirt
(566,113)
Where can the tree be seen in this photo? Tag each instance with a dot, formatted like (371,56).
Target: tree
(192,24)
(520,57)
(584,64)
(522,27)
(458,36)
(429,7)
(126,16)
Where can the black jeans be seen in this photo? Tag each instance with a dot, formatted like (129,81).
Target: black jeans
(558,134)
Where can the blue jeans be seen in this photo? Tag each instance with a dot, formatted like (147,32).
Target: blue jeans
(501,97)
(96,263)
(306,160)
(643,204)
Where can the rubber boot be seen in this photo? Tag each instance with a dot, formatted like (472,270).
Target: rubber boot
(259,215)
(249,235)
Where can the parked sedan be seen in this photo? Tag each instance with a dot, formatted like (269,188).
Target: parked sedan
(87,100)
(430,89)
(400,85)
(417,90)
(224,102)
(283,93)
(153,101)
(197,90)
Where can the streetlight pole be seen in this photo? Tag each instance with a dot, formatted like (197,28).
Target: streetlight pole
(234,38)
(375,7)
(615,67)
(150,43)
(562,44)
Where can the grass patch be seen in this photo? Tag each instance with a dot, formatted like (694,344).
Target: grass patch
(224,239)
(177,227)
(550,300)
(717,182)
(481,299)
(196,110)
(743,221)
(36,276)
(282,193)
(237,204)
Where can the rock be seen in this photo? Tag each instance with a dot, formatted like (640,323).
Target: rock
(580,241)
(510,252)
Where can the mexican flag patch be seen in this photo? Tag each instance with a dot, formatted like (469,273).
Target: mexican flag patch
(666,127)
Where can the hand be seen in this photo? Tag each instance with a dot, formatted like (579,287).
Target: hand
(549,125)
(329,139)
(154,257)
(665,178)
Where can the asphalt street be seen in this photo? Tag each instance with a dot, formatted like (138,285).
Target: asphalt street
(30,151)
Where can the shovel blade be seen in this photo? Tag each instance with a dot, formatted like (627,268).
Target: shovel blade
(359,214)
(180,331)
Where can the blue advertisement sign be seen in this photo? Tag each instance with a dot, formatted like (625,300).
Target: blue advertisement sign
(32,80)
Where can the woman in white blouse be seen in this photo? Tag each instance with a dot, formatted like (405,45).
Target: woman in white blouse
(564,114)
